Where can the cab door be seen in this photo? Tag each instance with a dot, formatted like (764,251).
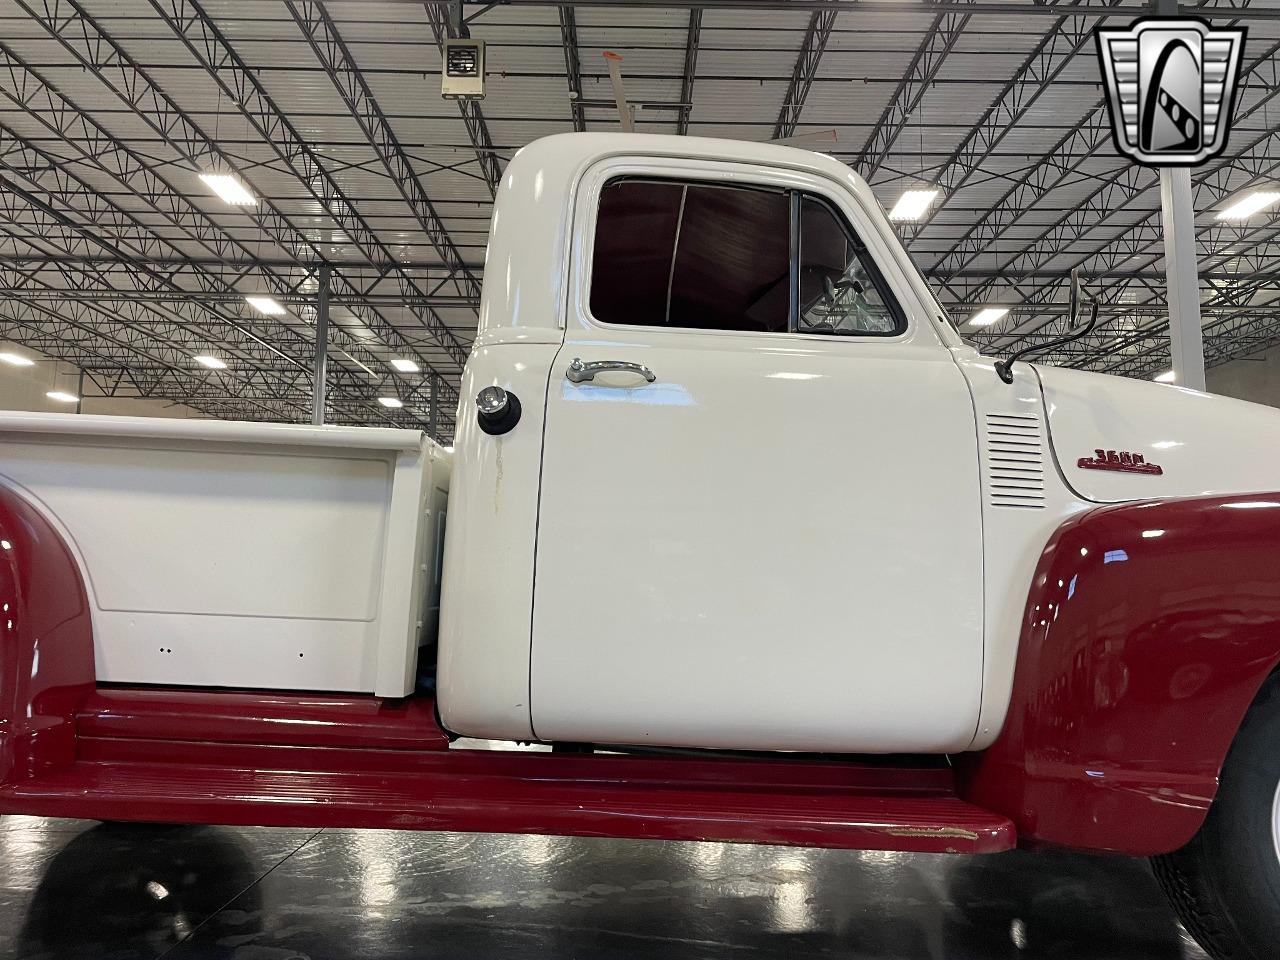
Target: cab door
(759,513)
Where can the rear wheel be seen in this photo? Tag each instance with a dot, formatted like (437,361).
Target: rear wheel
(1225,884)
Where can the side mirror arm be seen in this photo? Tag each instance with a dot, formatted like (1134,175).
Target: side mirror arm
(1004,368)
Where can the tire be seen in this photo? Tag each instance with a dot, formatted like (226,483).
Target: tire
(1225,884)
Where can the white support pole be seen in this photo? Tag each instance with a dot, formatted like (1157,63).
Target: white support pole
(1182,277)
(435,400)
(321,370)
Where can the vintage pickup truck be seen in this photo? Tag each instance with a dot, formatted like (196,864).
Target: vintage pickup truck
(739,531)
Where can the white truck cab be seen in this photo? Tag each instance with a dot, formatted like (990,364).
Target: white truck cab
(761,496)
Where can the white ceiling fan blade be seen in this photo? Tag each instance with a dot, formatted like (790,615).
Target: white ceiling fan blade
(812,140)
(614,61)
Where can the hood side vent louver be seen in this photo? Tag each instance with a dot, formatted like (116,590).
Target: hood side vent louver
(1015,461)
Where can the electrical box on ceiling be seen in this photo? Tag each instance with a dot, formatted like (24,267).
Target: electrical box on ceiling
(463,75)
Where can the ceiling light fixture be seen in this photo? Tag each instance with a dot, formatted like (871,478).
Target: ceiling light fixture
(62,396)
(1249,205)
(213,363)
(229,188)
(1167,377)
(987,316)
(17,360)
(265,305)
(392,402)
(912,204)
(403,365)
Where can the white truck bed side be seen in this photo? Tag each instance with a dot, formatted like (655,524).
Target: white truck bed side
(242,554)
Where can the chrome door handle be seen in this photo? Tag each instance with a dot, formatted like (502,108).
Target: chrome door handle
(580,372)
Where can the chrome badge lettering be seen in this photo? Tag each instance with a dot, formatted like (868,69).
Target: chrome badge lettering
(1122,461)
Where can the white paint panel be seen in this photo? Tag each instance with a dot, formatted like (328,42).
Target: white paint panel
(1016,526)
(1204,444)
(224,554)
(213,651)
(208,431)
(752,553)
(777,545)
(165,530)
(487,595)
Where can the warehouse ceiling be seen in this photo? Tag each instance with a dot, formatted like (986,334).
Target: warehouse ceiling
(117,258)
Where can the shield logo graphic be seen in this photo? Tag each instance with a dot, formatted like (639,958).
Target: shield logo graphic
(1171,87)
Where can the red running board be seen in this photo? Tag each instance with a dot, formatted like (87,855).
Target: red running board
(208,757)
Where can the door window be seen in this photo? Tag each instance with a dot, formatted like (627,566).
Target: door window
(706,256)
(700,256)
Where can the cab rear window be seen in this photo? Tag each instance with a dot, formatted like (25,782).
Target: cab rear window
(698,256)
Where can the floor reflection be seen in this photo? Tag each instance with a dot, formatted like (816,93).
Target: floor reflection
(132,890)
(1064,906)
(118,891)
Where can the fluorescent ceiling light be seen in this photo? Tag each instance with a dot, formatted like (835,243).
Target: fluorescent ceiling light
(229,188)
(1249,205)
(213,363)
(265,305)
(392,402)
(987,316)
(17,360)
(1166,377)
(912,204)
(404,366)
(62,397)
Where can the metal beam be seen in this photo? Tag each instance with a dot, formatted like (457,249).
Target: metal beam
(222,298)
(1053,169)
(821,23)
(940,37)
(1127,343)
(205,41)
(1018,8)
(174,334)
(1145,238)
(179,323)
(1226,339)
(692,40)
(22,210)
(285,279)
(58,213)
(572,66)
(97,147)
(1140,353)
(82,334)
(319,29)
(1066,38)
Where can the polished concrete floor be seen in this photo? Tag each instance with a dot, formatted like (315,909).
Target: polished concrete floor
(73,889)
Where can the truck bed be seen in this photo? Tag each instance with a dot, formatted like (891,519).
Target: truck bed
(224,554)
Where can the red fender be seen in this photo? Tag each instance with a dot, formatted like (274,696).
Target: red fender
(1148,630)
(46,643)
